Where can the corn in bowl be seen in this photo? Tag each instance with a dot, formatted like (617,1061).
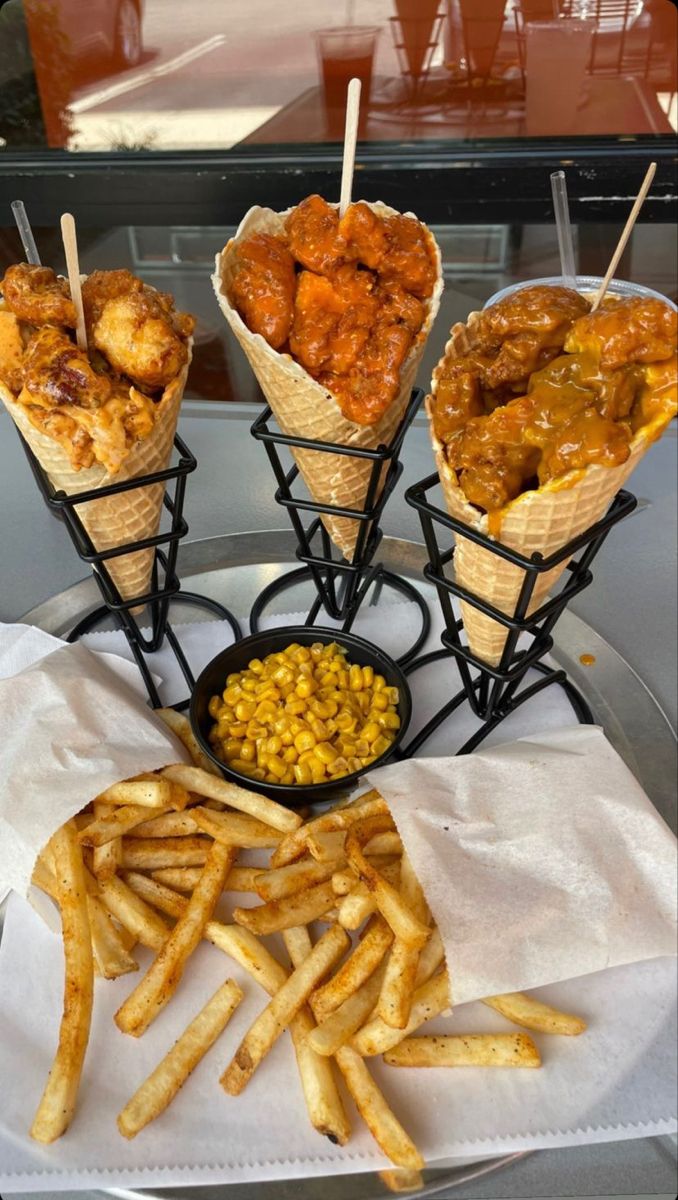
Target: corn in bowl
(304,715)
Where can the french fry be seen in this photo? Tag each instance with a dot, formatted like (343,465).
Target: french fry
(343,880)
(240,879)
(376,1037)
(466,1050)
(168,824)
(136,916)
(384,843)
(360,903)
(162,978)
(401,969)
(151,792)
(403,922)
(57,1105)
(430,958)
(344,1021)
(194,779)
(285,881)
(111,957)
(298,909)
(43,877)
(106,858)
(294,845)
(270,1023)
(181,728)
(149,854)
(402,1179)
(159,1089)
(324,846)
(236,829)
(122,819)
(321,1095)
(358,967)
(532,1014)
(382,1123)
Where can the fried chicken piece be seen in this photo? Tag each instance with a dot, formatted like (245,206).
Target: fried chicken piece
(37,295)
(458,399)
(398,307)
(637,329)
(364,234)
(492,458)
(136,328)
(11,351)
(332,319)
(658,392)
(373,382)
(57,372)
(313,235)
(408,258)
(263,289)
(523,332)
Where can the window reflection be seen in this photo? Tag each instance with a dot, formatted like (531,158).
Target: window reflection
(166,74)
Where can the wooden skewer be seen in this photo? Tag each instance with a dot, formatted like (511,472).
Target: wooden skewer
(625,235)
(350,139)
(73,267)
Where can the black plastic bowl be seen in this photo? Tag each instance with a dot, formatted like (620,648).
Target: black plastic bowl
(213,680)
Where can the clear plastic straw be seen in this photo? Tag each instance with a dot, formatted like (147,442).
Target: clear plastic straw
(564,229)
(25,233)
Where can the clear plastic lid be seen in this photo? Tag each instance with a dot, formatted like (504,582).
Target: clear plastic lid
(586,284)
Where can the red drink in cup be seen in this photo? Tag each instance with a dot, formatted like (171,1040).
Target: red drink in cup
(346,52)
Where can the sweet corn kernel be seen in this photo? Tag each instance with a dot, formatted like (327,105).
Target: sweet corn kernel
(306,687)
(362,747)
(275,765)
(318,729)
(248,751)
(231,695)
(344,679)
(286,690)
(245,710)
(214,707)
(393,695)
(255,730)
(301,655)
(339,766)
(288,777)
(371,732)
(269,777)
(355,678)
(256,665)
(233,678)
(368,677)
(249,683)
(296,707)
(302,773)
(345,722)
(239,730)
(325,752)
(287,738)
(258,773)
(239,764)
(318,773)
(289,755)
(266,710)
(379,683)
(297,725)
(273,745)
(380,701)
(304,741)
(354,764)
(329,679)
(306,756)
(317,650)
(283,675)
(389,720)
(232,747)
(381,745)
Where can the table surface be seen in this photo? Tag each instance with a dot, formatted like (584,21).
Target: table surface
(632,603)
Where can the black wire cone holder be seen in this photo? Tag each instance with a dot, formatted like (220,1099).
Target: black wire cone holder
(493,693)
(165,586)
(341,586)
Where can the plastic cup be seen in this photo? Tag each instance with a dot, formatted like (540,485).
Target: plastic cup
(557,56)
(345,53)
(586,284)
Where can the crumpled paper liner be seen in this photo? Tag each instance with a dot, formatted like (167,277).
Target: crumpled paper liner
(69,728)
(128,516)
(303,408)
(542,520)
(541,860)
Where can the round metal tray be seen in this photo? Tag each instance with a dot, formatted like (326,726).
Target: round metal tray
(233,569)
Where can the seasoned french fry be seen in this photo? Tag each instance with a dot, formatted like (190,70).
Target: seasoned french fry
(162,978)
(159,1089)
(321,1095)
(358,967)
(136,916)
(194,779)
(278,1013)
(343,880)
(382,1123)
(106,858)
(151,792)
(111,957)
(236,829)
(294,845)
(43,877)
(344,1021)
(401,969)
(285,881)
(240,879)
(532,1014)
(403,922)
(430,958)
(324,846)
(169,824)
(360,903)
(466,1050)
(401,1179)
(181,728)
(57,1105)
(122,819)
(299,909)
(149,854)
(376,1037)
(384,843)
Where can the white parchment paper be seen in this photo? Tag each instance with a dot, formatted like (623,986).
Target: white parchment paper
(71,724)
(541,860)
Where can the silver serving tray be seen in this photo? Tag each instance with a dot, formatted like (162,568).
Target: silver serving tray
(233,569)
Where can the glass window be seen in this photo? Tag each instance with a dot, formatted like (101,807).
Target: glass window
(168,75)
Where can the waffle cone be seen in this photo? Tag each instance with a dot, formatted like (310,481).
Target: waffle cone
(128,516)
(303,408)
(543,520)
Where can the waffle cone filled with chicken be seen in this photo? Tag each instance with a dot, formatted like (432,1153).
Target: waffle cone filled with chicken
(333,316)
(539,412)
(103,416)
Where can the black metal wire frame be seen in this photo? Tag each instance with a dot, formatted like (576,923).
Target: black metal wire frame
(165,585)
(493,692)
(341,586)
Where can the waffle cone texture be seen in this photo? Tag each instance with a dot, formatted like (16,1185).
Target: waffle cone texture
(303,408)
(128,516)
(543,520)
